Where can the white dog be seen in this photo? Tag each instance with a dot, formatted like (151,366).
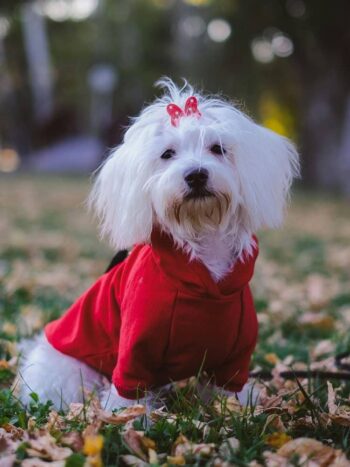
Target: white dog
(191,183)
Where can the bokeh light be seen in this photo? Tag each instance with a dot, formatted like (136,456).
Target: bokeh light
(62,10)
(192,26)
(272,43)
(219,30)
(9,160)
(4,27)
(262,50)
(282,45)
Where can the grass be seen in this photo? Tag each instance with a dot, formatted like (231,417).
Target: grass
(50,254)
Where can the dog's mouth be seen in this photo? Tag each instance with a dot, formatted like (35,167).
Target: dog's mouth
(199,194)
(200,209)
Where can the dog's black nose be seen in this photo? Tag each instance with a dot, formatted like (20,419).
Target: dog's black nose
(197,179)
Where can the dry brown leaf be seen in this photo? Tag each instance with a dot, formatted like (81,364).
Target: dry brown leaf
(227,406)
(84,412)
(183,446)
(14,432)
(55,421)
(309,449)
(45,447)
(316,292)
(134,461)
(320,321)
(275,421)
(342,419)
(133,439)
(36,462)
(7,445)
(332,406)
(73,439)
(323,347)
(176,460)
(121,417)
(229,446)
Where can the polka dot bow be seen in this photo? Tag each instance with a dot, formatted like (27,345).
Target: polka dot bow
(175,112)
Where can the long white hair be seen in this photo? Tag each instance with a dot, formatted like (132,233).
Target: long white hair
(136,189)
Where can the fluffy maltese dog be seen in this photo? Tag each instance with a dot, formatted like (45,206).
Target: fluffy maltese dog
(187,190)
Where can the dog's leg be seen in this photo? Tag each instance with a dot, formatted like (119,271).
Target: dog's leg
(55,376)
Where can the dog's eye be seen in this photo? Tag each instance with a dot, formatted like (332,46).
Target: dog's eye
(168,154)
(218,149)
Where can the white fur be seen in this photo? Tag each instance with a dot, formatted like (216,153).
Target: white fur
(136,190)
(62,379)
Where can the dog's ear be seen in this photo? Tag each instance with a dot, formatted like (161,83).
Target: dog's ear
(120,200)
(266,164)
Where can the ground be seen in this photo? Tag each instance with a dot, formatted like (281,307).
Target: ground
(50,253)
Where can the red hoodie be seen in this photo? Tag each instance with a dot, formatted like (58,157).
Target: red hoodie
(158,317)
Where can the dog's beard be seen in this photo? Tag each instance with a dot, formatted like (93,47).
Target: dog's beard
(196,216)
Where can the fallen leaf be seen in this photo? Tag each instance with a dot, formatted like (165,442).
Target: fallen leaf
(121,417)
(73,439)
(36,462)
(229,446)
(227,406)
(309,449)
(332,407)
(271,358)
(133,440)
(176,460)
(45,447)
(323,347)
(316,292)
(319,321)
(93,445)
(277,439)
(183,446)
(134,461)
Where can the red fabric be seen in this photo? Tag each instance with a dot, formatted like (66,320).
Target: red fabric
(157,317)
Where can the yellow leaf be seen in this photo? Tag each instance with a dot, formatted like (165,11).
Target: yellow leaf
(148,443)
(271,358)
(93,445)
(4,365)
(319,321)
(176,460)
(276,440)
(152,456)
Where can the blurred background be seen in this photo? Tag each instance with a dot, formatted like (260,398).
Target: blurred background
(73,71)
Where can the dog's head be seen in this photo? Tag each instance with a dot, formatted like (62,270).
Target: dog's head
(193,165)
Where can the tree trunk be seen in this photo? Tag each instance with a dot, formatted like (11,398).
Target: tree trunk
(325,131)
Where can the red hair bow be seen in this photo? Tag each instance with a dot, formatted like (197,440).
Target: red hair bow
(175,112)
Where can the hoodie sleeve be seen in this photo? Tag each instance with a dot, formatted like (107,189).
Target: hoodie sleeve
(234,373)
(144,336)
